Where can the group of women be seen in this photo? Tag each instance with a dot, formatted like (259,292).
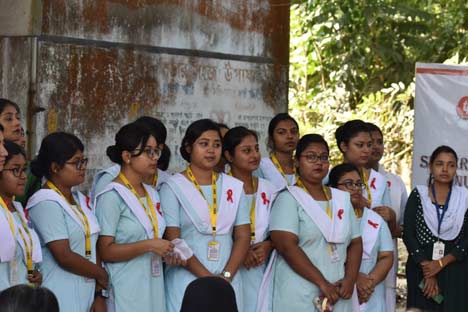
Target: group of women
(287,231)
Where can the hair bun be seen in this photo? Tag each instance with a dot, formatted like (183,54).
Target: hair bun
(114,154)
(38,167)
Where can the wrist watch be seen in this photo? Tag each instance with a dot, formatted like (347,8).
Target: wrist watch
(101,293)
(227,274)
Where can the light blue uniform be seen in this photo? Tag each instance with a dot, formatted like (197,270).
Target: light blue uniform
(178,278)
(52,223)
(5,270)
(106,176)
(251,279)
(291,292)
(133,286)
(384,242)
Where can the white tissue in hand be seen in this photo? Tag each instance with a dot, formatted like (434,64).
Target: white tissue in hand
(182,249)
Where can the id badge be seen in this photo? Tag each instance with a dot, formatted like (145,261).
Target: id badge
(14,274)
(438,251)
(155,266)
(213,250)
(334,255)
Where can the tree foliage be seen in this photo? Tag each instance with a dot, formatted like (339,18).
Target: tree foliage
(356,59)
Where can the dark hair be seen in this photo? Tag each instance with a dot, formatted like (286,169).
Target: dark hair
(349,130)
(439,150)
(374,128)
(276,120)
(5,103)
(209,294)
(442,149)
(222,125)
(1,128)
(193,132)
(234,137)
(338,171)
(13,149)
(156,127)
(127,139)
(308,139)
(24,298)
(165,158)
(56,147)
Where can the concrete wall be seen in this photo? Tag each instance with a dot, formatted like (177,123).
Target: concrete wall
(92,66)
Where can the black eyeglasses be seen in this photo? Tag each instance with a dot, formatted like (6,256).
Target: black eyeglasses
(17,171)
(313,158)
(79,163)
(150,152)
(351,186)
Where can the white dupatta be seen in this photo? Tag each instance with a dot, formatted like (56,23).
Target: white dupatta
(196,207)
(36,251)
(138,211)
(371,223)
(377,184)
(331,228)
(272,174)
(51,195)
(454,217)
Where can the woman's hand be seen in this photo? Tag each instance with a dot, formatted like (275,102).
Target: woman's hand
(365,286)
(35,278)
(431,288)
(103,279)
(251,260)
(387,213)
(345,288)
(161,247)
(330,291)
(173,259)
(430,268)
(262,251)
(99,305)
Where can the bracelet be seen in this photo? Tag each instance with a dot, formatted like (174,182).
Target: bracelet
(441,263)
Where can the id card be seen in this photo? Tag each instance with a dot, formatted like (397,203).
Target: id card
(213,250)
(438,251)
(333,251)
(14,274)
(155,266)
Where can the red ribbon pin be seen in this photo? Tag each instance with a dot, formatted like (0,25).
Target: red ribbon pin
(87,203)
(372,184)
(340,214)
(265,199)
(389,184)
(229,196)
(374,225)
(158,208)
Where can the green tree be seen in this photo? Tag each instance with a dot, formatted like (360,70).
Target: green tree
(356,59)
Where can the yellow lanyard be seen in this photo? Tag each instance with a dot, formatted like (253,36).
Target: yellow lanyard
(280,169)
(155,178)
(150,212)
(9,216)
(212,208)
(366,183)
(252,210)
(29,248)
(325,190)
(80,214)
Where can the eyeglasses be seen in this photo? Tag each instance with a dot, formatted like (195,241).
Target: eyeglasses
(17,171)
(351,186)
(313,158)
(150,152)
(79,163)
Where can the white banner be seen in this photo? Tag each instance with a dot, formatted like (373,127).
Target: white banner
(441,117)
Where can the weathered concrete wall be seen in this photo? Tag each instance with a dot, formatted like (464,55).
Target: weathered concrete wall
(101,64)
